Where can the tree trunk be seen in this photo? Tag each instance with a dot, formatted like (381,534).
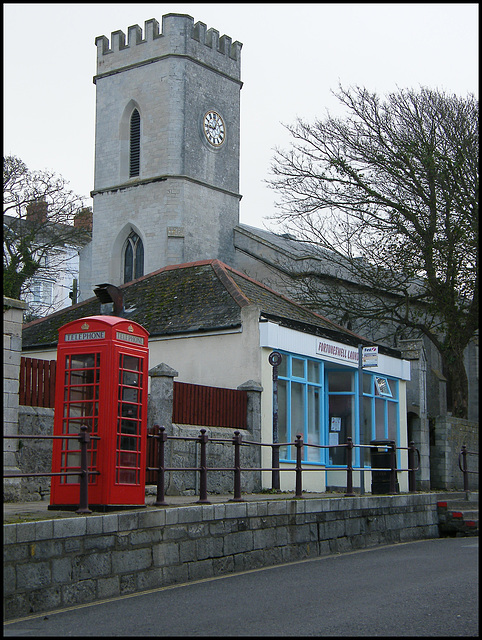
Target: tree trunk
(457,382)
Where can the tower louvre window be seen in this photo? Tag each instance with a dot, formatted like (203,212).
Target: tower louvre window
(135,144)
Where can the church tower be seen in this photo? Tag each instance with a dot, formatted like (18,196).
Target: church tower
(166,184)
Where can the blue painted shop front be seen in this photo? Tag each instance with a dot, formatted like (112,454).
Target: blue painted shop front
(319,397)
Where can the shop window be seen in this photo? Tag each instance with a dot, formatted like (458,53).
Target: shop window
(380,408)
(300,400)
(382,386)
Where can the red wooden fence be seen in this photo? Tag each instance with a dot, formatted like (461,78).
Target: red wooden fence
(196,404)
(192,403)
(37,382)
(209,406)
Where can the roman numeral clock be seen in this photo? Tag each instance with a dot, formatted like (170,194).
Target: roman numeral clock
(214,128)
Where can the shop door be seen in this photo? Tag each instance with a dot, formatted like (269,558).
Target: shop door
(130,427)
(341,413)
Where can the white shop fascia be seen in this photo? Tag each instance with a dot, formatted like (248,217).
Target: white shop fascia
(276,337)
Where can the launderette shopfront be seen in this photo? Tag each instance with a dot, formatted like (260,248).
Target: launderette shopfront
(319,398)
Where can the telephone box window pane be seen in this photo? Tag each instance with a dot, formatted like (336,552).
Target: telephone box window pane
(132,363)
(130,378)
(128,426)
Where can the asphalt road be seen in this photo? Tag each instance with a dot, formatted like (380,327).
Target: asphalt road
(423,588)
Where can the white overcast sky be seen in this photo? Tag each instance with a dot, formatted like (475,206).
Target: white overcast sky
(293,57)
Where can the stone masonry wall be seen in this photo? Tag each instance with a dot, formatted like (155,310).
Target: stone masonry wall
(450,434)
(12,351)
(64,562)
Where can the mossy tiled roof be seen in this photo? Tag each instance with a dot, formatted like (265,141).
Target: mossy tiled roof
(189,298)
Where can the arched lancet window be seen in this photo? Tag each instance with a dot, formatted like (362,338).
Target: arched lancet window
(133,258)
(135,144)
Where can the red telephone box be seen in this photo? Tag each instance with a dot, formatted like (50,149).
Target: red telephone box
(102,365)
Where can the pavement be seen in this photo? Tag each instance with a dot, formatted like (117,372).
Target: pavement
(15,512)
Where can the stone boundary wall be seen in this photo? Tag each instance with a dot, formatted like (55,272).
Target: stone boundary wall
(450,434)
(34,456)
(12,351)
(59,563)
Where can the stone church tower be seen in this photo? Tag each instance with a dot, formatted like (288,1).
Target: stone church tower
(166,185)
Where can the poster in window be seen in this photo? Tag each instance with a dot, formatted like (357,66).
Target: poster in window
(333,439)
(383,386)
(335,424)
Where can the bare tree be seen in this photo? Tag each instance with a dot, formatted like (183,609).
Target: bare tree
(387,198)
(39,234)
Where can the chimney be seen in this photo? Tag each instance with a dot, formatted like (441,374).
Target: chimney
(108,293)
(37,211)
(83,219)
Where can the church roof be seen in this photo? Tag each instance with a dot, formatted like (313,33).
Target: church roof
(197,297)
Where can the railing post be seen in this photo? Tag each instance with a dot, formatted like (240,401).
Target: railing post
(275,483)
(162,438)
(84,439)
(393,467)
(203,485)
(349,468)
(299,447)
(411,467)
(463,453)
(237,467)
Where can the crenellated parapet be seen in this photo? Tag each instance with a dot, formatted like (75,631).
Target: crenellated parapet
(179,36)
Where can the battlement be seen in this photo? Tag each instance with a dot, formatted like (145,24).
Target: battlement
(179,36)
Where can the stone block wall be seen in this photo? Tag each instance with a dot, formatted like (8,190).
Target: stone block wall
(450,434)
(35,456)
(12,351)
(186,453)
(64,562)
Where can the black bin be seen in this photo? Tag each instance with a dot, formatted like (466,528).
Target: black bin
(380,454)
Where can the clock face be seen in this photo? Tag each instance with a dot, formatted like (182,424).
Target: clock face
(214,128)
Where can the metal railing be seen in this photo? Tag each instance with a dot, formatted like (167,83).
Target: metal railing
(275,469)
(463,465)
(84,437)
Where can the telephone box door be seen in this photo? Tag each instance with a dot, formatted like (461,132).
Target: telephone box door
(102,364)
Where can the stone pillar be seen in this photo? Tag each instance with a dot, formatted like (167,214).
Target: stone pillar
(12,351)
(254,390)
(414,351)
(161,396)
